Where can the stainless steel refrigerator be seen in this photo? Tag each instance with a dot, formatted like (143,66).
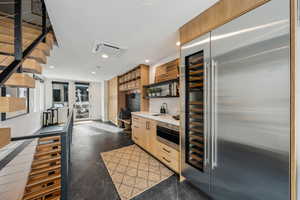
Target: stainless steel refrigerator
(235,82)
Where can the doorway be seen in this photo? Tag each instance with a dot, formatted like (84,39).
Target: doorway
(82,105)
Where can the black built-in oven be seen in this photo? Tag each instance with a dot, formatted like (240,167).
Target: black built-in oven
(168,134)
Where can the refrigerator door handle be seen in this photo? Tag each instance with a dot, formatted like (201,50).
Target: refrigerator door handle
(213,117)
(207,118)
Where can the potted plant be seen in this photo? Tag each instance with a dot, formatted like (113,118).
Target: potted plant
(150,91)
(158,91)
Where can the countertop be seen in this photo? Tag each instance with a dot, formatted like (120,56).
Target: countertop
(162,118)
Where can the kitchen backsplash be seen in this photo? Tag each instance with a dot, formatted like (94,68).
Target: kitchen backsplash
(173,105)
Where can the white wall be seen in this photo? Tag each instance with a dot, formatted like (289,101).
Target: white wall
(155,104)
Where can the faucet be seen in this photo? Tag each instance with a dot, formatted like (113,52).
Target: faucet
(164,108)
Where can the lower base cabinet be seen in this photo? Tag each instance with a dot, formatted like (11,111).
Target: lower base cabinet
(144,135)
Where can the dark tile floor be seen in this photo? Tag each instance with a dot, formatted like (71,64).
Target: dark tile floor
(90,179)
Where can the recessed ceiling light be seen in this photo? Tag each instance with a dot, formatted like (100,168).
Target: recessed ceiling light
(93,72)
(51,67)
(178,43)
(147,61)
(104,56)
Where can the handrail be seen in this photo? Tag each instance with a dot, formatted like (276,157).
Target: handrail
(65,157)
(45,134)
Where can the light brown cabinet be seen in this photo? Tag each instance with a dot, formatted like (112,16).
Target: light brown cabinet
(113,100)
(144,135)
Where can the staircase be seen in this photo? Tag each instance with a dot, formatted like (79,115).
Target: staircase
(22,51)
(44,181)
(31,65)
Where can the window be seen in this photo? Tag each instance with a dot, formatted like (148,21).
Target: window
(60,92)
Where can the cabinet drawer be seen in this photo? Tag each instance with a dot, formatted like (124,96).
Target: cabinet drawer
(136,120)
(171,162)
(173,153)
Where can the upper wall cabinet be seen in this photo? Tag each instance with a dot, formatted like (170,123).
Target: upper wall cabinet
(167,71)
(217,15)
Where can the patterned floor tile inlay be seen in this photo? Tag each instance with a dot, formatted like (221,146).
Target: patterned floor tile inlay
(134,171)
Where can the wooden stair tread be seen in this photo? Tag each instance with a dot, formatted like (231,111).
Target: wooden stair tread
(7,22)
(29,65)
(5,135)
(36,54)
(12,104)
(25,34)
(42,180)
(48,190)
(20,80)
(47,169)
(47,153)
(45,161)
(7,39)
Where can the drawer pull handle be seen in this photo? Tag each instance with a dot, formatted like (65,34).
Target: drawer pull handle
(166,150)
(136,138)
(166,159)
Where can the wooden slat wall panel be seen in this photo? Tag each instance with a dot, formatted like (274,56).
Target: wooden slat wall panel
(4,136)
(12,104)
(217,15)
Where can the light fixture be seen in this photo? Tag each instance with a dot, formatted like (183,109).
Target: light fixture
(147,61)
(178,43)
(93,72)
(104,56)
(51,67)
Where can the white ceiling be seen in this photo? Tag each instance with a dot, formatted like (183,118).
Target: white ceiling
(148,28)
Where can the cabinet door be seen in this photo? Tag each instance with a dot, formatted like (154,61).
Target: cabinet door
(152,137)
(135,133)
(144,134)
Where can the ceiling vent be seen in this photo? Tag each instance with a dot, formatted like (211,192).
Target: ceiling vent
(109,49)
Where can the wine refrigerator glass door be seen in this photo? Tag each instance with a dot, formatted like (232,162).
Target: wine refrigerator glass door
(196,140)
